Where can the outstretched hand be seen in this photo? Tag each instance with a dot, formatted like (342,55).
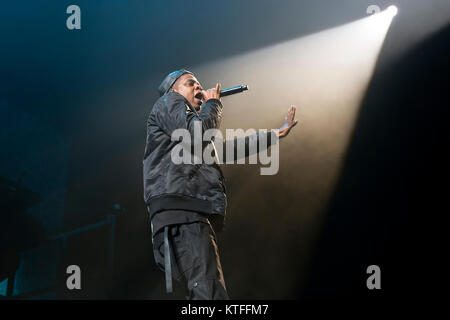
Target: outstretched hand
(289,122)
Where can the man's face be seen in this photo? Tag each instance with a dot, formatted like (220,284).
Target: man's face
(188,86)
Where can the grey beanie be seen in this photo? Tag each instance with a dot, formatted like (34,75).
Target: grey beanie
(170,79)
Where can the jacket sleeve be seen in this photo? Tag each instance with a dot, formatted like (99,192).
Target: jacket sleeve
(252,144)
(176,114)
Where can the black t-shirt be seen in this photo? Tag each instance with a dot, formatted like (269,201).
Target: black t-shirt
(169,217)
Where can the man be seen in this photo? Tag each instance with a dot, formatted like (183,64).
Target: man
(187,202)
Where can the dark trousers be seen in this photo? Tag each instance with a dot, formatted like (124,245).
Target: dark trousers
(194,260)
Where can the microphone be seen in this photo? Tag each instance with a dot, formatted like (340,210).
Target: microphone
(230,91)
(233,90)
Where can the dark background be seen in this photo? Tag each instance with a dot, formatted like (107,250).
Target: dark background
(60,99)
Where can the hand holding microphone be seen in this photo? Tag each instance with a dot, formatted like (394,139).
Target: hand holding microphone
(216,93)
(212,93)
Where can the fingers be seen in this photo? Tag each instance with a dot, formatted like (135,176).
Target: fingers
(292,110)
(291,114)
(218,88)
(213,93)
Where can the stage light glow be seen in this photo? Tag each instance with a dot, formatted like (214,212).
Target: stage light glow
(392,10)
(325,75)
